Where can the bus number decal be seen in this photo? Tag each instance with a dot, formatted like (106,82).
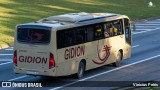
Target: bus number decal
(74,52)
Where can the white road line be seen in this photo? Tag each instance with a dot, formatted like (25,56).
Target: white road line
(148,24)
(6,54)
(145,31)
(135,46)
(154,22)
(9,49)
(5,63)
(106,72)
(18,78)
(142,26)
(5,60)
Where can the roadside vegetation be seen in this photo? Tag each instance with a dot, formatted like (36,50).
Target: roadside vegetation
(13,12)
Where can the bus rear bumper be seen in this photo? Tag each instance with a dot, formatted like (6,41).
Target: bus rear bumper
(49,72)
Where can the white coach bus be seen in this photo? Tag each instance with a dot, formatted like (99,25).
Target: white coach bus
(71,43)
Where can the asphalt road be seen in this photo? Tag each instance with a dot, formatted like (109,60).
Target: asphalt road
(144,65)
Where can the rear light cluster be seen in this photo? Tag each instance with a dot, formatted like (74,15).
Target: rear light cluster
(51,61)
(15,58)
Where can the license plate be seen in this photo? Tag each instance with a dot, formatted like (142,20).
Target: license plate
(31,72)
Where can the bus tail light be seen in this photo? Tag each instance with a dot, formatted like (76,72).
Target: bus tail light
(51,61)
(15,58)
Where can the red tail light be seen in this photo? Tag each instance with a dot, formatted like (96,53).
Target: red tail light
(51,61)
(15,58)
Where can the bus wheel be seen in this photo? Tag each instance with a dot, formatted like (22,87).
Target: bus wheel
(117,63)
(81,70)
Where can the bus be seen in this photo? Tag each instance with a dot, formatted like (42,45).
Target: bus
(71,44)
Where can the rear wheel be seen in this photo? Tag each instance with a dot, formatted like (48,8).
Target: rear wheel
(117,63)
(81,70)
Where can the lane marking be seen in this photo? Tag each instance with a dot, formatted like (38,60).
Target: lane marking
(8,49)
(105,72)
(5,63)
(148,24)
(154,22)
(5,60)
(135,46)
(6,54)
(18,78)
(145,31)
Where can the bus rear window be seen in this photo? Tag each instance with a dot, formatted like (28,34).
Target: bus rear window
(32,35)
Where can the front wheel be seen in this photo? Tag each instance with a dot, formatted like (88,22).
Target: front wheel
(117,63)
(81,70)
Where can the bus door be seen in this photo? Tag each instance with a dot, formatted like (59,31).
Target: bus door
(128,38)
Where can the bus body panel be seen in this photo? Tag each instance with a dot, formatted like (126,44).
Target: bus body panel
(91,51)
(68,59)
(32,54)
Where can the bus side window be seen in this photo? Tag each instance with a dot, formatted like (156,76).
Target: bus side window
(80,35)
(89,33)
(106,30)
(114,27)
(69,38)
(115,31)
(61,39)
(118,25)
(111,27)
(98,32)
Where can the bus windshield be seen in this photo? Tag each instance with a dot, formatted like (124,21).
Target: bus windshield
(32,35)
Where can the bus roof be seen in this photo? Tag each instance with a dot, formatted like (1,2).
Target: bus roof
(78,17)
(74,18)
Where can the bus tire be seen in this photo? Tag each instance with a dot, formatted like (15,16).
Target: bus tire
(117,63)
(81,69)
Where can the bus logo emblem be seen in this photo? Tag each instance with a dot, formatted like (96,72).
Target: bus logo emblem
(106,49)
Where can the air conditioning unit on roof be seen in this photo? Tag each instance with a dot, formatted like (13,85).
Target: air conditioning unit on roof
(72,17)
